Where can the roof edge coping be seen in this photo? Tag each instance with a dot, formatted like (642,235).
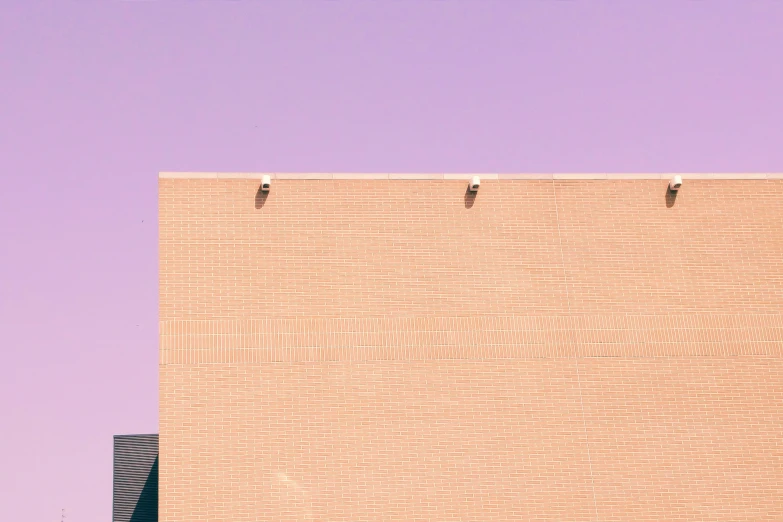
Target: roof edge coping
(456,176)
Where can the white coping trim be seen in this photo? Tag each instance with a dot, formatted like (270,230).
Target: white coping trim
(438,176)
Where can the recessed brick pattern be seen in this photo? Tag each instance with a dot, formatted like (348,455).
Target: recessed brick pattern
(483,337)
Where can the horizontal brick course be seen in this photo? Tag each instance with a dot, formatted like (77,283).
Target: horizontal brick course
(484,337)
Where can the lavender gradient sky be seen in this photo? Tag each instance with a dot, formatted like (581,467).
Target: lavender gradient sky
(96,97)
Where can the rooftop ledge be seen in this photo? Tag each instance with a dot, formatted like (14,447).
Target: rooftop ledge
(483,176)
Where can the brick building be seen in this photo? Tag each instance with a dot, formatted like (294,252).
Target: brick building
(396,348)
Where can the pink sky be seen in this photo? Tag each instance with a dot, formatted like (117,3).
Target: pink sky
(96,97)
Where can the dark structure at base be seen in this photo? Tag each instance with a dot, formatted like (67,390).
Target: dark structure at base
(135,478)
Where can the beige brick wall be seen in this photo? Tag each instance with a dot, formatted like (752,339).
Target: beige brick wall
(548,350)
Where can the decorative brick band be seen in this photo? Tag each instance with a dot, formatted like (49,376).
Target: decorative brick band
(488,337)
(444,176)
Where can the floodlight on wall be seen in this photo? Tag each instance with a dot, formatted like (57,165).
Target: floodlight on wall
(675,183)
(266,182)
(474,184)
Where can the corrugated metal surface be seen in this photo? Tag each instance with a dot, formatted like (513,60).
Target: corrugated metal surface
(135,478)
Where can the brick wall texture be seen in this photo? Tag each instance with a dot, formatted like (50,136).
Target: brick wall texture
(368,350)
